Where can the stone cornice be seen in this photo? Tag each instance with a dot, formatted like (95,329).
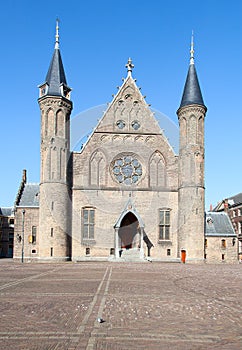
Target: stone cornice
(55,101)
(191,109)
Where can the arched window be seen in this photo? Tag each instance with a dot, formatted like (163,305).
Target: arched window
(49,123)
(157,170)
(60,124)
(223,243)
(98,169)
(192,130)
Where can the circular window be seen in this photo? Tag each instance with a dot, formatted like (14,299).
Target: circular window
(135,125)
(120,124)
(127,170)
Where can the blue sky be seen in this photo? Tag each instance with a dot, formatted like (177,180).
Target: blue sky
(96,39)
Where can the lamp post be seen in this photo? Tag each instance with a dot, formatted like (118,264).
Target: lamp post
(23,213)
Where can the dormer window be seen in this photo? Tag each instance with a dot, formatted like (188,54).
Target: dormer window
(43,90)
(209,221)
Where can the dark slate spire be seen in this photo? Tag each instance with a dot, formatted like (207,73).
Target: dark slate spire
(192,92)
(56,75)
(55,81)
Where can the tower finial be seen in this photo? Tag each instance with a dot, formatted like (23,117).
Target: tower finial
(192,50)
(129,67)
(57,34)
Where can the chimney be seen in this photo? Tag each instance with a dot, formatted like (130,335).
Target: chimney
(226,205)
(24,176)
(211,207)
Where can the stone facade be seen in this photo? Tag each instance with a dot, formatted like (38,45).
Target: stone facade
(26,234)
(191,181)
(98,182)
(220,243)
(220,249)
(55,198)
(126,189)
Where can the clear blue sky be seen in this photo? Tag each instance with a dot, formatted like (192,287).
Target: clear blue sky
(96,38)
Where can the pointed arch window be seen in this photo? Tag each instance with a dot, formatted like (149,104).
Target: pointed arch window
(98,169)
(192,129)
(157,170)
(49,123)
(60,124)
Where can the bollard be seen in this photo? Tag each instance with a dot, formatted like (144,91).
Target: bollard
(183,256)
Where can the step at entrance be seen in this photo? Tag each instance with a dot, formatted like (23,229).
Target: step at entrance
(132,254)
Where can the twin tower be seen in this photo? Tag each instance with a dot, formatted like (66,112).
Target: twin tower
(73,222)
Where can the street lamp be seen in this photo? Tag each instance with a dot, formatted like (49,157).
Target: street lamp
(23,213)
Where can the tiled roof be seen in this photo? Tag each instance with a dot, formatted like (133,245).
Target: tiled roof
(235,200)
(6,211)
(30,196)
(218,224)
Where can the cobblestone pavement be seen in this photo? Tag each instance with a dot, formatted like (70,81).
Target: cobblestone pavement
(143,305)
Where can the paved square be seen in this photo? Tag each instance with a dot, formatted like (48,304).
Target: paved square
(143,305)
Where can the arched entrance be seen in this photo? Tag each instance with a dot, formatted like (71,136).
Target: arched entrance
(128,232)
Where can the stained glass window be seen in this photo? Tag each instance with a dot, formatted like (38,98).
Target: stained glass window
(127,170)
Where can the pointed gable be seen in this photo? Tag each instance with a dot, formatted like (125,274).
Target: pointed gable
(128,112)
(127,145)
(129,208)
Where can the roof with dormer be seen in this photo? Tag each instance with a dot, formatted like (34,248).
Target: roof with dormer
(56,78)
(233,201)
(218,224)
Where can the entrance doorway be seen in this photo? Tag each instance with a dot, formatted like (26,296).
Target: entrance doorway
(128,232)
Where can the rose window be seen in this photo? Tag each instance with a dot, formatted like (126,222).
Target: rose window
(127,170)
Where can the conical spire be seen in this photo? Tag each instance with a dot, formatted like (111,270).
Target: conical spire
(192,92)
(55,78)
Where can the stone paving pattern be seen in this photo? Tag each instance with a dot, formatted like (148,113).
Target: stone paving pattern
(144,306)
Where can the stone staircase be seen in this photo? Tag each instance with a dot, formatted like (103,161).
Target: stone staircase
(132,254)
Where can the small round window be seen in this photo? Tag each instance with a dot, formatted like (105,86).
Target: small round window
(120,124)
(135,125)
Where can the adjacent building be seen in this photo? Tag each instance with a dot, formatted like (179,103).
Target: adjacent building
(6,232)
(220,238)
(233,207)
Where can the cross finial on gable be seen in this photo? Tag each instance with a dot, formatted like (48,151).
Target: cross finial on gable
(129,67)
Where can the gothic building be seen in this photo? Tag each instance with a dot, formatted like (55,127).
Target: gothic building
(125,195)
